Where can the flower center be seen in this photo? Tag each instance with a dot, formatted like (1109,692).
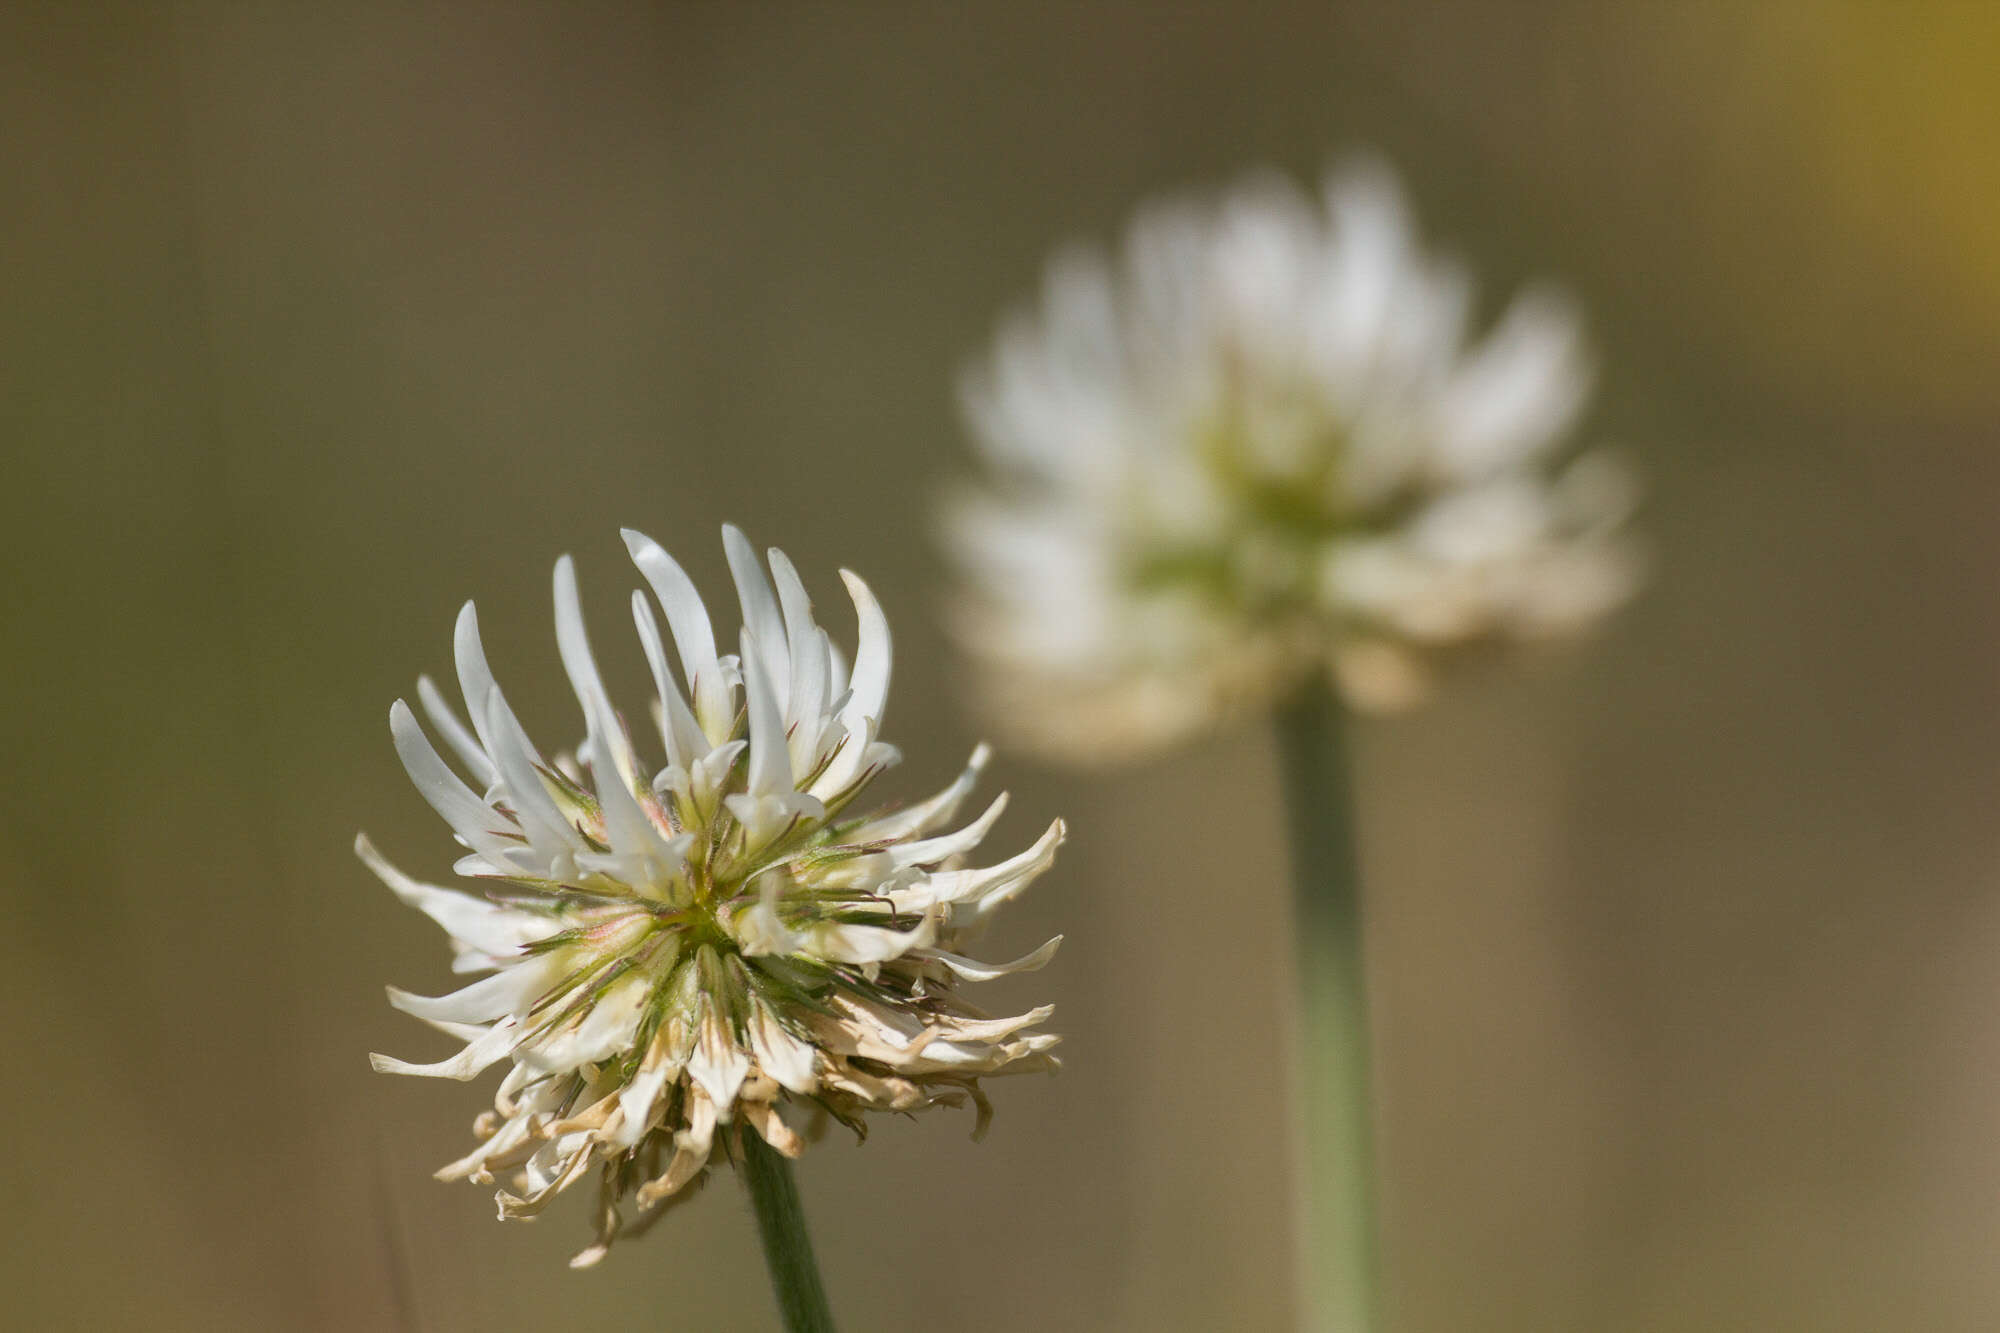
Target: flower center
(1248,530)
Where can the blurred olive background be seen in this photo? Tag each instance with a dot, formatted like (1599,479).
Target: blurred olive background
(320,319)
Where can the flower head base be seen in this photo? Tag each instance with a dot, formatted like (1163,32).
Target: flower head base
(681,954)
(1262,446)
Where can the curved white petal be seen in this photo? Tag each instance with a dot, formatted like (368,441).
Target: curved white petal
(463,743)
(973,970)
(867,692)
(694,636)
(975,893)
(841,942)
(520,763)
(761,617)
(471,921)
(927,815)
(629,828)
(469,1063)
(930,851)
(470,817)
(770,771)
(685,740)
(811,673)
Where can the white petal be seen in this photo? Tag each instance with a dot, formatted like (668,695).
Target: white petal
(1370,231)
(608,1029)
(761,617)
(927,815)
(467,918)
(1518,391)
(841,942)
(869,686)
(718,1064)
(770,762)
(993,885)
(711,775)
(867,693)
(467,1064)
(764,817)
(836,688)
(470,817)
(512,753)
(463,743)
(475,677)
(809,668)
(629,828)
(685,740)
(930,851)
(508,992)
(758,929)
(693,635)
(637,1101)
(520,764)
(781,1055)
(973,970)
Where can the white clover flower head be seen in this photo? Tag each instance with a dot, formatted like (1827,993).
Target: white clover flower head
(1260,444)
(715,947)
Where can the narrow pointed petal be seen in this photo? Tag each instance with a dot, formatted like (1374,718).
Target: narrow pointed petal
(684,738)
(481,1002)
(869,687)
(1022,871)
(469,920)
(468,1064)
(519,763)
(616,769)
(770,762)
(469,816)
(867,693)
(973,970)
(761,617)
(836,688)
(463,743)
(930,851)
(694,636)
(965,887)
(927,815)
(475,677)
(809,668)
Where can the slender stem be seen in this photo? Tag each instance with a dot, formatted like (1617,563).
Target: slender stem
(787,1249)
(1337,1217)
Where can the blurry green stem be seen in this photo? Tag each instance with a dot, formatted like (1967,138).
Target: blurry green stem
(787,1249)
(1337,1171)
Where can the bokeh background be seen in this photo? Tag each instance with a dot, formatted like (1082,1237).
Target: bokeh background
(320,319)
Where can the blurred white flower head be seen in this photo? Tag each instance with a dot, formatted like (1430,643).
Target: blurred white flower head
(1262,443)
(687,953)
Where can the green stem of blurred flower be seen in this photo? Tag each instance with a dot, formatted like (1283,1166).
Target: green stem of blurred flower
(1337,1249)
(787,1249)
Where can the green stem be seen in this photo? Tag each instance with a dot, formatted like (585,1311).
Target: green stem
(787,1249)
(1337,1219)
